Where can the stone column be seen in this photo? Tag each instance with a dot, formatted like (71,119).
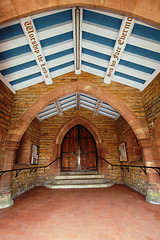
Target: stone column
(6,179)
(153,189)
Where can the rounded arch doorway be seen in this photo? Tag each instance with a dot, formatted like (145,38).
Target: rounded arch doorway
(79,151)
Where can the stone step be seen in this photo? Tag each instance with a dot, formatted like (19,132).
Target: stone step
(79,176)
(88,179)
(68,186)
(79,173)
(79,181)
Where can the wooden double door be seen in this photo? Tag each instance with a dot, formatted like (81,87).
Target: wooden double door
(78,150)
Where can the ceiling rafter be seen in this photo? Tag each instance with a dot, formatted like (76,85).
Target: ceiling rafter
(34,43)
(97,107)
(124,33)
(77,101)
(139,62)
(77,16)
(58,107)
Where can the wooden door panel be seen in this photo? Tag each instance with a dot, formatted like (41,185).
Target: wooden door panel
(88,161)
(65,146)
(88,150)
(69,145)
(87,144)
(69,161)
(73,145)
(78,143)
(84,132)
(73,132)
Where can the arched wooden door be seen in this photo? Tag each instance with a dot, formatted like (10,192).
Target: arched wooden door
(78,150)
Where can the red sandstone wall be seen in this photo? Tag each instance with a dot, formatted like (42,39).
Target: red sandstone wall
(151,100)
(144,9)
(24,150)
(130,96)
(6,99)
(135,178)
(106,127)
(22,101)
(25,180)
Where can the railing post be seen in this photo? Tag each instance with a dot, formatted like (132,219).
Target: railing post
(153,188)
(6,179)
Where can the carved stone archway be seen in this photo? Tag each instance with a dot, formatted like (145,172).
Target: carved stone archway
(142,9)
(56,145)
(156,141)
(139,126)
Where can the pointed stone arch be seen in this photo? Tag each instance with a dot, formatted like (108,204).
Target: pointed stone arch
(23,155)
(56,144)
(138,126)
(136,8)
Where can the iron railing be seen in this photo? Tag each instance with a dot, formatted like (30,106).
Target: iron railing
(123,167)
(127,167)
(32,169)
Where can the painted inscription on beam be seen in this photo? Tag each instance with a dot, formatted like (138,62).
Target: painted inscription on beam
(31,35)
(97,107)
(58,107)
(124,33)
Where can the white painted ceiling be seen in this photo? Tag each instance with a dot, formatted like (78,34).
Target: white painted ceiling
(55,30)
(78,100)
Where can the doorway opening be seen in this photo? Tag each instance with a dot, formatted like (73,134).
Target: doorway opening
(78,152)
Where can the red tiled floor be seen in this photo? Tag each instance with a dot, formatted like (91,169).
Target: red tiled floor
(115,213)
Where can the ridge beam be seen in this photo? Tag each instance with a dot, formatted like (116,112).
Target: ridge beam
(58,107)
(34,43)
(2,78)
(77,16)
(77,101)
(120,44)
(97,107)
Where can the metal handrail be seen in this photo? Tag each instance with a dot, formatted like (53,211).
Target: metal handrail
(18,170)
(157,169)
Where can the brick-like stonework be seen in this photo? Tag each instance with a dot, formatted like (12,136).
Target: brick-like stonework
(106,127)
(25,181)
(151,100)
(135,178)
(43,134)
(26,97)
(6,99)
(122,129)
